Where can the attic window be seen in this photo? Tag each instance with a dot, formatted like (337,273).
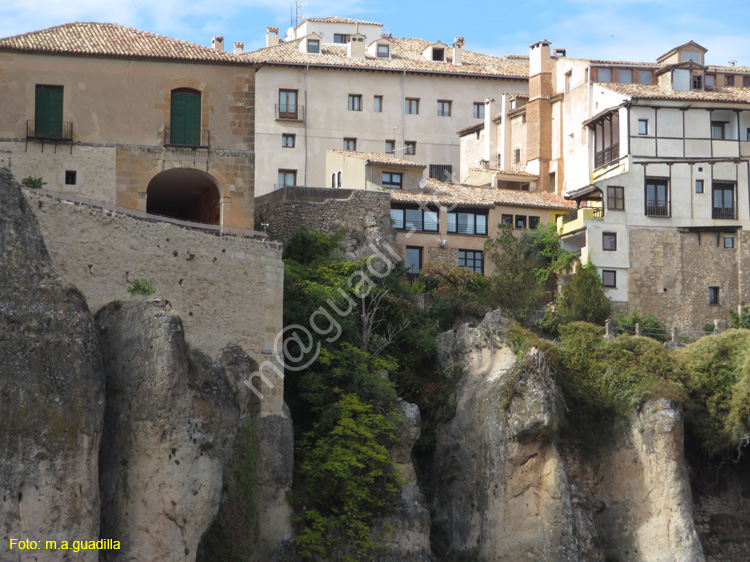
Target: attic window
(340,38)
(438,54)
(710,80)
(697,82)
(695,57)
(384,51)
(313,46)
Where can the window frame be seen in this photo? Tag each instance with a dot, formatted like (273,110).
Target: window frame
(48,111)
(438,54)
(643,130)
(617,195)
(377,104)
(506,220)
(185,117)
(410,148)
(343,38)
(392,146)
(292,110)
(350,144)
(729,80)
(624,71)
(71,177)
(709,80)
(605,274)
(722,212)
(411,106)
(442,106)
(609,239)
(286,137)
(729,241)
(746,81)
(699,186)
(477,256)
(391,183)
(419,251)
(721,128)
(286,173)
(599,71)
(534,222)
(478,110)
(654,209)
(355,102)
(643,73)
(455,214)
(520,222)
(387,48)
(714,296)
(313,46)
(422,223)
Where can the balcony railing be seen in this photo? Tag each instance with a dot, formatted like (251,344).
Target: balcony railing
(52,130)
(657,209)
(606,156)
(289,112)
(723,213)
(191,139)
(595,213)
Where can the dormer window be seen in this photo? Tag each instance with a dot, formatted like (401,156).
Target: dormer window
(695,57)
(697,82)
(438,54)
(384,51)
(313,46)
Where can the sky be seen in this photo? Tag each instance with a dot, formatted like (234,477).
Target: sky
(631,30)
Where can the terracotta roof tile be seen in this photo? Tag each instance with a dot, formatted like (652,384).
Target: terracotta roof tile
(448,194)
(653,91)
(375,158)
(111,39)
(470,129)
(337,19)
(406,54)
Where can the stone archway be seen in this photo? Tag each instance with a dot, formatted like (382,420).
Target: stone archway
(185,194)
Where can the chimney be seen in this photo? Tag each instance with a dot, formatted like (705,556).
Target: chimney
(239,47)
(356,47)
(218,43)
(490,136)
(458,50)
(539,114)
(272,36)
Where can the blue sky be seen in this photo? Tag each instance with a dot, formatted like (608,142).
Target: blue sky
(602,29)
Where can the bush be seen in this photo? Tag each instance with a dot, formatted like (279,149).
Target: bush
(650,325)
(141,287)
(740,319)
(582,299)
(33,183)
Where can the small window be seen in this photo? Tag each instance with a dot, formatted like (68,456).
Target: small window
(468,222)
(713,295)
(645,77)
(411,106)
(478,110)
(333,179)
(287,178)
(697,82)
(729,241)
(70,177)
(568,74)
(615,197)
(718,130)
(355,102)
(642,126)
(609,241)
(604,75)
(533,223)
(609,278)
(729,80)
(313,46)
(394,180)
(410,148)
(340,38)
(710,80)
(517,155)
(350,144)
(699,186)
(506,220)
(413,259)
(378,104)
(287,140)
(384,51)
(338,178)
(746,81)
(444,108)
(390,146)
(438,54)
(625,76)
(471,260)
(512,104)
(520,221)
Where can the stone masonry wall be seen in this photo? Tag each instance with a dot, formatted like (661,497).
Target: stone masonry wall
(226,288)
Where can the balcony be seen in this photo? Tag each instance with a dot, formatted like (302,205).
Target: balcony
(606,156)
(289,112)
(723,213)
(49,130)
(187,138)
(575,220)
(657,209)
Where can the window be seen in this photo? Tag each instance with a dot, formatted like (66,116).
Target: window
(287,140)
(438,54)
(384,51)
(568,75)
(657,197)
(413,259)
(609,241)
(746,81)
(710,80)
(507,220)
(333,179)
(392,179)
(512,104)
(478,111)
(350,144)
(442,172)
(606,139)
(697,82)
(695,57)
(355,102)
(415,219)
(338,178)
(340,38)
(390,146)
(699,186)
(185,117)
(625,76)
(410,148)
(48,112)
(713,295)
(718,130)
(729,80)
(533,223)
(313,46)
(748,134)
(466,222)
(723,201)
(411,106)
(287,178)
(378,104)
(444,108)
(287,104)
(615,197)
(642,126)
(520,221)
(604,75)
(516,155)
(645,77)
(471,260)
(609,278)
(729,241)
(70,177)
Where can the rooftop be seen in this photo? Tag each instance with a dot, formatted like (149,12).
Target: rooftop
(442,193)
(336,19)
(375,158)
(654,92)
(111,39)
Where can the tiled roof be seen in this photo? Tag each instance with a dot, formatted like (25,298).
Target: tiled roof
(730,69)
(470,129)
(337,19)
(518,173)
(375,158)
(406,54)
(110,39)
(654,92)
(626,63)
(441,193)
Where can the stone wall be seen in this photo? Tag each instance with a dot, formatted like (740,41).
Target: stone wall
(226,288)
(363,217)
(442,256)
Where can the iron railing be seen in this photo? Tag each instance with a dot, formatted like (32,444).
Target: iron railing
(289,112)
(596,213)
(604,157)
(183,137)
(53,130)
(654,209)
(723,213)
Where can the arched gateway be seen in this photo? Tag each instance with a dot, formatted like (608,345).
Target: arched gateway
(185,194)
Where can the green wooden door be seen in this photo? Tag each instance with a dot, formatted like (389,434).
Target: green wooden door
(48,111)
(186,118)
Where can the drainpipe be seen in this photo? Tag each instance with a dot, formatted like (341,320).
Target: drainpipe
(305,119)
(403,112)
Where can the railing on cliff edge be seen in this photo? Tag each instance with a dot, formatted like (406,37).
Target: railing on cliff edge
(613,327)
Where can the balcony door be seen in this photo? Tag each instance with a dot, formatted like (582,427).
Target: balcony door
(288,104)
(723,201)
(48,112)
(185,118)
(657,197)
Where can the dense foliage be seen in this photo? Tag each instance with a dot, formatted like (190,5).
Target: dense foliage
(651,326)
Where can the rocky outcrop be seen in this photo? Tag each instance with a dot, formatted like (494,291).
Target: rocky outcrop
(51,394)
(170,421)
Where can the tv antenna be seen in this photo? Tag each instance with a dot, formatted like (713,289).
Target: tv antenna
(296,16)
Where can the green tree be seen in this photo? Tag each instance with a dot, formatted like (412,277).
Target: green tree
(582,299)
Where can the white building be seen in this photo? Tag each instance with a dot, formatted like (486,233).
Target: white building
(340,84)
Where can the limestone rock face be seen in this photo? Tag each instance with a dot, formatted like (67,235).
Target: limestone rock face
(404,535)
(502,492)
(170,421)
(51,394)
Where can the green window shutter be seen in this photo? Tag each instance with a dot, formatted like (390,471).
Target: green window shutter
(186,118)
(48,111)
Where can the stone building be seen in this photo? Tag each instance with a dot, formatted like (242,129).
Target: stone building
(131,118)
